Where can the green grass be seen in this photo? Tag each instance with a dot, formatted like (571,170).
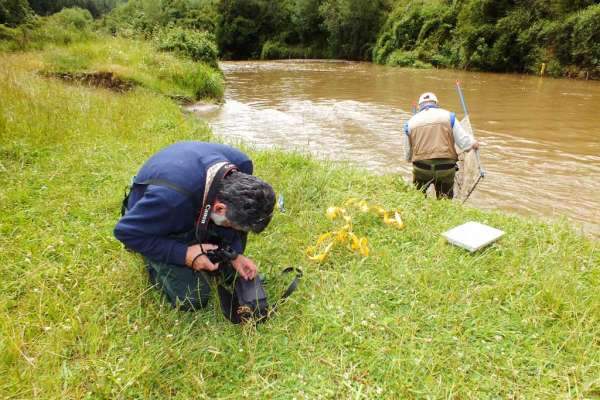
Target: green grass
(139,63)
(416,319)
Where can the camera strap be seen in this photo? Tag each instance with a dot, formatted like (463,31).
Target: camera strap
(210,195)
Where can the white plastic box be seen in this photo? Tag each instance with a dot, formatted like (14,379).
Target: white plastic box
(472,235)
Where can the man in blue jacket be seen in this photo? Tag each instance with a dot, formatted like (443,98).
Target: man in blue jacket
(166,202)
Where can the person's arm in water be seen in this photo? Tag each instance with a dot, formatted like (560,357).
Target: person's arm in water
(463,139)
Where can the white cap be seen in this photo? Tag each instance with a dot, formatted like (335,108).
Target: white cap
(426,97)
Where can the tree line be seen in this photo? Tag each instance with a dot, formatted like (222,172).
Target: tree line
(490,35)
(15,12)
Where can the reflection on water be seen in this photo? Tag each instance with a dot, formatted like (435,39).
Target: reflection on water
(541,137)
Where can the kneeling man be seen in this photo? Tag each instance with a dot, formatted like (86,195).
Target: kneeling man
(187,199)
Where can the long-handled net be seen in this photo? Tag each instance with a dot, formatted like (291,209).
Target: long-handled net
(470,172)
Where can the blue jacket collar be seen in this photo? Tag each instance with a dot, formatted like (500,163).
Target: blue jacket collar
(428,106)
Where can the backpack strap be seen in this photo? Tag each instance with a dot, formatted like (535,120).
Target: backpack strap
(155,182)
(294,285)
(212,185)
(167,184)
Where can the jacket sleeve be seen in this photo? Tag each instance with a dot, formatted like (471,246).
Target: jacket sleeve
(406,143)
(463,139)
(146,227)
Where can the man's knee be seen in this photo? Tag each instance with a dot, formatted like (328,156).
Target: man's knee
(185,289)
(190,295)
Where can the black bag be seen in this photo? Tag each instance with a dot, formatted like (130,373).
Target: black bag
(248,300)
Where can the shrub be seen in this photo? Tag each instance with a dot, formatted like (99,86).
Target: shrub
(276,50)
(7,33)
(72,18)
(197,45)
(554,68)
(404,58)
(202,80)
(68,26)
(585,39)
(14,12)
(417,26)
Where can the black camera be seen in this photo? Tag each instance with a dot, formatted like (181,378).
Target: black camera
(222,255)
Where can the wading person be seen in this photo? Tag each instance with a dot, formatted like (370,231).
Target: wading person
(186,200)
(430,136)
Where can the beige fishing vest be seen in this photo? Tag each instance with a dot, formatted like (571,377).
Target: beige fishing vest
(431,135)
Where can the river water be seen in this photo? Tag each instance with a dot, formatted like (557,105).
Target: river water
(540,136)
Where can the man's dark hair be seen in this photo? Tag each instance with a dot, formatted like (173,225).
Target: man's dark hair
(249,200)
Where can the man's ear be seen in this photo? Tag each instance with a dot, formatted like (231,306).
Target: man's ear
(219,208)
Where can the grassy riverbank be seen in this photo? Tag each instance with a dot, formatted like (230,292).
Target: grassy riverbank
(134,63)
(417,318)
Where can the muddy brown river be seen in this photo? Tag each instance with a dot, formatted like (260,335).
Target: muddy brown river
(540,136)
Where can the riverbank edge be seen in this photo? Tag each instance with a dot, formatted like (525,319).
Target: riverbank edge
(576,74)
(67,152)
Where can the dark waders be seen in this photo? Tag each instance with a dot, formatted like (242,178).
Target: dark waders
(440,172)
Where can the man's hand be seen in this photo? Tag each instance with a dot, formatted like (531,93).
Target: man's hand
(202,262)
(475,145)
(245,267)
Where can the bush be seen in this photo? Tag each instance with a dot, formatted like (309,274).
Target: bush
(72,18)
(423,28)
(14,12)
(7,33)
(494,35)
(585,39)
(276,50)
(141,18)
(203,81)
(67,26)
(403,58)
(198,46)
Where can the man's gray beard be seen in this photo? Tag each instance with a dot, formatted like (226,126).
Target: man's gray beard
(218,219)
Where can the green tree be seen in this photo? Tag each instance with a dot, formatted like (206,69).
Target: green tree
(96,7)
(238,28)
(14,12)
(245,25)
(307,22)
(352,26)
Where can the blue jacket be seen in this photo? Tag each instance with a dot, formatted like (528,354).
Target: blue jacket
(156,213)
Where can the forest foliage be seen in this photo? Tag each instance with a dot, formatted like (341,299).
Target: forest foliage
(488,35)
